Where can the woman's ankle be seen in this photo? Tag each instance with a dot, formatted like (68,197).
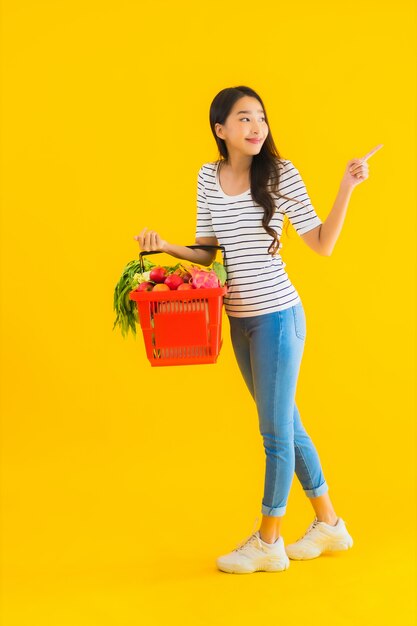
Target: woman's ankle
(331,520)
(270,540)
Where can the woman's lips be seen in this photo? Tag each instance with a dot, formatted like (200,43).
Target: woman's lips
(254,140)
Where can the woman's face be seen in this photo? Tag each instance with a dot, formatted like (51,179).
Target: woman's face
(245,121)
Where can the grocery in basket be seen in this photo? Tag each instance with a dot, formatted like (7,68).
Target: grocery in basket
(179,309)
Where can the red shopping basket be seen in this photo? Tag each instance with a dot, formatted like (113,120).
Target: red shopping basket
(181,327)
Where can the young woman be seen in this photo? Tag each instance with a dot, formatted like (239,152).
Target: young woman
(242,199)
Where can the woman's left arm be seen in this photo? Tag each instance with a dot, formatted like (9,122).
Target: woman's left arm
(357,170)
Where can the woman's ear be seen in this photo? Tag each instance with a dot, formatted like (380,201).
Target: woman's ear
(218,129)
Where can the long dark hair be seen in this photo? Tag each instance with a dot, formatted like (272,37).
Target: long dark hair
(265,169)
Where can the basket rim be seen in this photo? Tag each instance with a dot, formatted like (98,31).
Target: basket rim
(174,294)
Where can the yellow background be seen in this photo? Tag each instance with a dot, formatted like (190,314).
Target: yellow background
(122,483)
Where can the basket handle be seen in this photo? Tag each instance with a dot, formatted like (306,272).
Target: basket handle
(142,254)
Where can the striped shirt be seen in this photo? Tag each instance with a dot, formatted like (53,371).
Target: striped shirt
(258,283)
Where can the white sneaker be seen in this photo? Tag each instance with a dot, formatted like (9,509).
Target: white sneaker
(320,537)
(255,555)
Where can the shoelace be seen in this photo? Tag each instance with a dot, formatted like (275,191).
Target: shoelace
(312,525)
(243,543)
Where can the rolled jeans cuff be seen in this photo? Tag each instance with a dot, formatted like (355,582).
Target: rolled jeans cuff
(318,491)
(276,511)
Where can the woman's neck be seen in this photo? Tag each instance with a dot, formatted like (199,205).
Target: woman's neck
(238,165)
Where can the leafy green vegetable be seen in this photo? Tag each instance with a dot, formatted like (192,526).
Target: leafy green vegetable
(220,272)
(126,309)
(171,268)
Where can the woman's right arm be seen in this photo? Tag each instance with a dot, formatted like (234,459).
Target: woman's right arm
(150,240)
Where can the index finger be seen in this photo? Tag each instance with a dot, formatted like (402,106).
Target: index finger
(378,147)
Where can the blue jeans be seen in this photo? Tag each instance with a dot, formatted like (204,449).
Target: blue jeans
(268,349)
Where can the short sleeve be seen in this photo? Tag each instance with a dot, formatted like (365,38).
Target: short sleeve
(204,226)
(302,216)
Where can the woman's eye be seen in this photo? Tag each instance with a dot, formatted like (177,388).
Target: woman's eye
(246,118)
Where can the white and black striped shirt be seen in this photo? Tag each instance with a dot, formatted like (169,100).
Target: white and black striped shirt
(258,283)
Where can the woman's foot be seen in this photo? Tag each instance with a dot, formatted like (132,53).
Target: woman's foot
(255,555)
(318,538)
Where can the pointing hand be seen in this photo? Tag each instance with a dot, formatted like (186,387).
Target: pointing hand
(357,170)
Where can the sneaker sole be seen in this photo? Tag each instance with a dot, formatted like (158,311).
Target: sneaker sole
(333,546)
(266,565)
